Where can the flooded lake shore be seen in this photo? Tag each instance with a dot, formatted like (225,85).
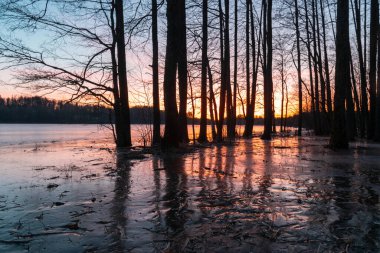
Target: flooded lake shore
(287,195)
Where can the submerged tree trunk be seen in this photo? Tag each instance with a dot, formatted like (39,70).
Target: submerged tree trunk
(350,111)
(363,80)
(338,138)
(267,70)
(213,107)
(286,107)
(182,69)
(119,129)
(119,133)
(255,64)
(255,60)
(298,72)
(156,96)
(377,128)
(222,97)
(234,103)
(125,126)
(203,124)
(176,56)
(227,71)
(308,44)
(282,123)
(171,137)
(192,110)
(356,98)
(326,65)
(324,117)
(249,114)
(372,66)
(318,130)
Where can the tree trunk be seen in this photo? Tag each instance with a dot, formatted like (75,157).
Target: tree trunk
(316,76)
(203,124)
(213,112)
(248,117)
(267,70)
(227,71)
(356,98)
(326,67)
(338,138)
(286,107)
(222,97)
(282,129)
(298,71)
(171,137)
(350,114)
(156,95)
(324,116)
(234,108)
(125,140)
(119,129)
(255,61)
(363,80)
(308,44)
(182,69)
(255,65)
(372,66)
(192,111)
(377,127)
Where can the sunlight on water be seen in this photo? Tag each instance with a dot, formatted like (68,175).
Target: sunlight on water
(290,194)
(12,134)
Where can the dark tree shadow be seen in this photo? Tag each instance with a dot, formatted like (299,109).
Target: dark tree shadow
(118,227)
(176,201)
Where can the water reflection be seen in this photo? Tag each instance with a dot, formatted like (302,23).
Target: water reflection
(176,201)
(118,228)
(355,202)
(255,196)
(247,189)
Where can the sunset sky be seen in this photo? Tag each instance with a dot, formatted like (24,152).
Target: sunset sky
(139,71)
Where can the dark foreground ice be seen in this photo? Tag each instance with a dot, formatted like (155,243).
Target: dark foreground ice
(288,195)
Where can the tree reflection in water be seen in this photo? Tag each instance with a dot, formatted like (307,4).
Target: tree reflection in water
(255,196)
(176,201)
(118,227)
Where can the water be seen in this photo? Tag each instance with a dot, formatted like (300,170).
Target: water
(17,134)
(287,195)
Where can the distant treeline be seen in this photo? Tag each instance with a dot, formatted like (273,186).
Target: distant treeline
(42,110)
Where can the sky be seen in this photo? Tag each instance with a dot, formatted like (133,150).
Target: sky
(137,63)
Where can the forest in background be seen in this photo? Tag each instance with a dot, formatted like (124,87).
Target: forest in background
(42,110)
(35,110)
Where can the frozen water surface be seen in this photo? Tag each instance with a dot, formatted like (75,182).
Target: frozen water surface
(288,195)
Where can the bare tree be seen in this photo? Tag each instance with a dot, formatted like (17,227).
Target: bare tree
(372,66)
(338,138)
(298,70)
(126,140)
(171,136)
(223,89)
(234,103)
(377,128)
(249,114)
(203,125)
(97,75)
(267,69)
(182,69)
(156,89)
(362,67)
